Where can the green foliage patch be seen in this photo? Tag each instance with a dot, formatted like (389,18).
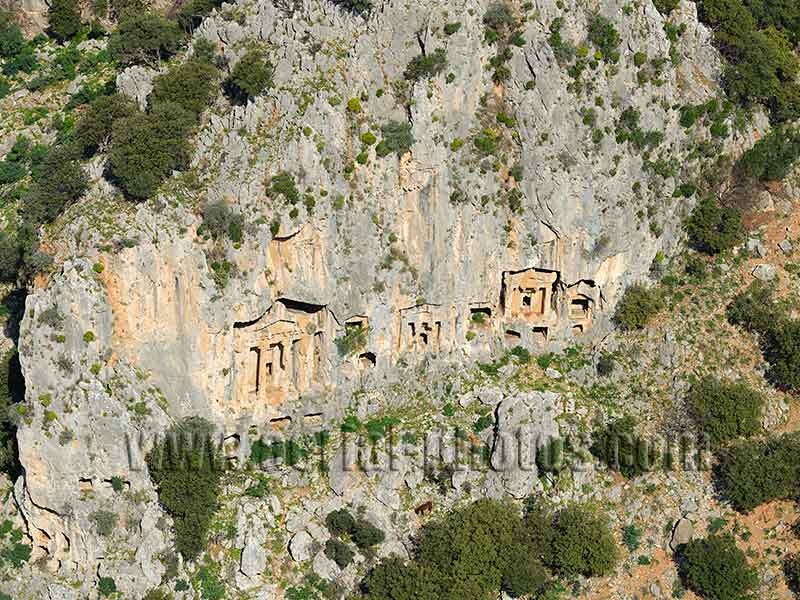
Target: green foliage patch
(185,468)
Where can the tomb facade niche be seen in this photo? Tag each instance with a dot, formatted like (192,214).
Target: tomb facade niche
(581,303)
(425,328)
(530,296)
(282,354)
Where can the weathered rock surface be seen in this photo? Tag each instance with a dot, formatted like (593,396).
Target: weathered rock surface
(424,252)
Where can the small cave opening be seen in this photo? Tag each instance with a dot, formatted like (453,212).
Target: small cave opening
(366,360)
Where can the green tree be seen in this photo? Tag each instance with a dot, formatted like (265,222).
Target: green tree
(469,550)
(393,579)
(426,66)
(665,7)
(340,522)
(773,156)
(754,309)
(190,85)
(64,19)
(638,306)
(782,351)
(106,586)
(219,220)
(251,77)
(186,467)
(11,39)
(582,544)
(192,12)
(725,410)
(619,446)
(146,148)
(144,38)
(397,138)
(339,552)
(93,130)
(12,391)
(754,472)
(59,182)
(605,37)
(10,257)
(716,569)
(791,571)
(712,228)
(365,535)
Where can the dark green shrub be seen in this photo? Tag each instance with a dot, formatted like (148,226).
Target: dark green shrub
(783,15)
(524,575)
(144,38)
(392,579)
(192,12)
(605,364)
(716,569)
(106,586)
(251,76)
(24,60)
(340,522)
(354,340)
(10,257)
(190,85)
(724,410)
(64,19)
(452,28)
(11,39)
(283,184)
(12,391)
(339,552)
(59,182)
(619,446)
(581,544)
(93,130)
(754,309)
(498,18)
(604,37)
(397,138)
(357,7)
(185,468)
(219,220)
(146,148)
(637,307)
(665,7)
(773,156)
(426,66)
(752,473)
(469,550)
(781,347)
(365,534)
(762,67)
(791,571)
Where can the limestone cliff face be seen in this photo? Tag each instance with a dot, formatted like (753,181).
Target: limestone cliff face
(439,255)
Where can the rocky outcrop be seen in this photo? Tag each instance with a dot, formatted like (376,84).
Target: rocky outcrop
(362,271)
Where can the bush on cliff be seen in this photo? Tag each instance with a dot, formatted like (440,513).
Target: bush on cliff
(186,467)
